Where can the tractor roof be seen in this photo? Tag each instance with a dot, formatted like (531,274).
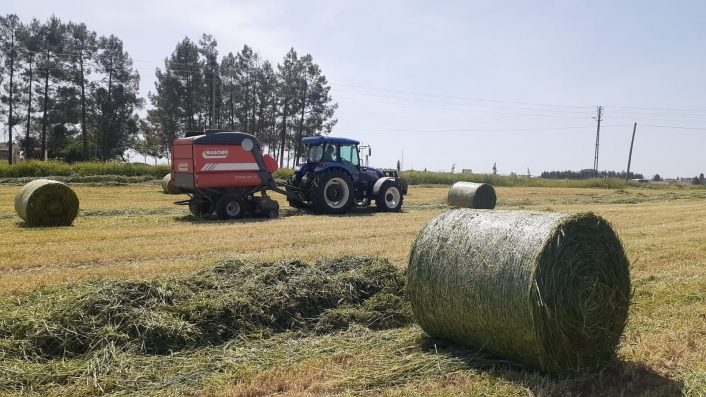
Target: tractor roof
(318,140)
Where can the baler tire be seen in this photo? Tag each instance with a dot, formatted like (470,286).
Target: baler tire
(230,206)
(325,199)
(272,214)
(389,197)
(201,208)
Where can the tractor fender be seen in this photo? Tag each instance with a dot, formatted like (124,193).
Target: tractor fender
(378,184)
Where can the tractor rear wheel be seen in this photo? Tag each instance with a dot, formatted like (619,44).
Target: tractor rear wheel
(390,197)
(201,208)
(332,192)
(230,206)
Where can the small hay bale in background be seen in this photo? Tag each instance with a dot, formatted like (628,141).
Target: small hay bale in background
(548,290)
(472,195)
(168,186)
(44,202)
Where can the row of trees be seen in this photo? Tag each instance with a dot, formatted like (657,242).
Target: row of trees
(279,105)
(65,90)
(588,174)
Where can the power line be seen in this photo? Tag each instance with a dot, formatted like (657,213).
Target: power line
(459,97)
(457,109)
(675,127)
(513,102)
(462,104)
(477,130)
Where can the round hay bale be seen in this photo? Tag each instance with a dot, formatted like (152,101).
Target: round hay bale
(44,202)
(548,290)
(472,195)
(168,186)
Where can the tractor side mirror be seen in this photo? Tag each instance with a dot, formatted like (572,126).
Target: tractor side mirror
(370,151)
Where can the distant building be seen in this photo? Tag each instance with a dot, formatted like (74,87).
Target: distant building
(4,152)
(466,171)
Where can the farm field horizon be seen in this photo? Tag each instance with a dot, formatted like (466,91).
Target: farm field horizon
(135,232)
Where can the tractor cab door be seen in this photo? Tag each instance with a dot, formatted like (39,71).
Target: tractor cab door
(349,159)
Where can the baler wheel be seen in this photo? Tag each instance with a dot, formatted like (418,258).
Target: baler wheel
(230,206)
(272,214)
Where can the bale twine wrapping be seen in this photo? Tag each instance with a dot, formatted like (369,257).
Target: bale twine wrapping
(44,202)
(168,186)
(548,290)
(472,195)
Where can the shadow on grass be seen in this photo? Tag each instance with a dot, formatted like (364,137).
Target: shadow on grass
(25,225)
(619,379)
(283,213)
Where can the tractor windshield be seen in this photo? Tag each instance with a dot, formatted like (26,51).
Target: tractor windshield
(328,152)
(315,153)
(349,155)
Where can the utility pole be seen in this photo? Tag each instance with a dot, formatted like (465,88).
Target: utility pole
(598,135)
(367,155)
(627,174)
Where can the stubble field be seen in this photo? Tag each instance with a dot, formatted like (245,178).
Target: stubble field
(135,232)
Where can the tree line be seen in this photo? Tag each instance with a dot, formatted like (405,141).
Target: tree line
(588,174)
(68,92)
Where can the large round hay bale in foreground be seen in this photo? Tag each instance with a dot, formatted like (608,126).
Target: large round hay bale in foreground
(168,186)
(548,290)
(44,202)
(472,195)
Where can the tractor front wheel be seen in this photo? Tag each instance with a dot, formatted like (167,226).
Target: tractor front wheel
(230,206)
(332,192)
(390,197)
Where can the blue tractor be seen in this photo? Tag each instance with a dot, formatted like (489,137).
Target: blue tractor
(331,180)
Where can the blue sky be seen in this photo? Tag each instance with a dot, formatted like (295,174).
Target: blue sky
(470,83)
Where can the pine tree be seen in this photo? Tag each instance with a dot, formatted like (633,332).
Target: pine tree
(82,45)
(228,90)
(50,44)
(287,74)
(116,98)
(10,27)
(314,104)
(31,43)
(211,81)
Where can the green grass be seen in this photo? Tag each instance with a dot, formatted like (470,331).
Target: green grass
(619,196)
(63,336)
(339,326)
(35,169)
(134,232)
(436,178)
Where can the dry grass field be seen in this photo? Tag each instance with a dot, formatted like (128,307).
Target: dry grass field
(136,232)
